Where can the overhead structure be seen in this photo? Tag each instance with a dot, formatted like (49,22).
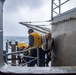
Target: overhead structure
(63,31)
(39,28)
(55,5)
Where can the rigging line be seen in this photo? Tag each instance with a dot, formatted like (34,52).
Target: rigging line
(32,28)
(46,29)
(40,25)
(37,21)
(37,24)
(35,27)
(43,28)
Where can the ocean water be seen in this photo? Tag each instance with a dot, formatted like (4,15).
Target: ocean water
(13,39)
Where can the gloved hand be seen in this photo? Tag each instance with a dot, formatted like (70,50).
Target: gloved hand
(21,55)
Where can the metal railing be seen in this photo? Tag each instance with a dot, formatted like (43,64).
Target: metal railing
(57,5)
(24,50)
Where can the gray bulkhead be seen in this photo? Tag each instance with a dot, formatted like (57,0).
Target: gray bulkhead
(64,32)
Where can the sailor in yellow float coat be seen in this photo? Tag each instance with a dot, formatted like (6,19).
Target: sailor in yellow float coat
(37,39)
(22,46)
(34,40)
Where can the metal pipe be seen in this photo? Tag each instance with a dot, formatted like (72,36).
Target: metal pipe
(26,56)
(51,9)
(20,51)
(38,57)
(61,4)
(33,28)
(30,56)
(1,33)
(29,61)
(6,51)
(55,4)
(55,12)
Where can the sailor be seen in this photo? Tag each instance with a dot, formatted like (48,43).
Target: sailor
(34,40)
(47,46)
(21,56)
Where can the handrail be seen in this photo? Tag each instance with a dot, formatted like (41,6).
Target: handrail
(24,50)
(31,61)
(20,51)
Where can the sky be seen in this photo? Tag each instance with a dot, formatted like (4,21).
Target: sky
(15,11)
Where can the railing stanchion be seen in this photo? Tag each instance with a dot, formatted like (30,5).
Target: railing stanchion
(7,52)
(37,56)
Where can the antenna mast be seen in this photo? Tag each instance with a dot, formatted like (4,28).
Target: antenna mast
(55,5)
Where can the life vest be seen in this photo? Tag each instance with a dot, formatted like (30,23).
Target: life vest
(37,39)
(23,45)
(44,44)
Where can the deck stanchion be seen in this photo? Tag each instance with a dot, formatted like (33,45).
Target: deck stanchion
(38,56)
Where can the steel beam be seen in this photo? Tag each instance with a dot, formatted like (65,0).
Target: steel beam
(1,33)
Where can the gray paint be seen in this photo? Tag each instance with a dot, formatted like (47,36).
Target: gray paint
(1,33)
(64,33)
